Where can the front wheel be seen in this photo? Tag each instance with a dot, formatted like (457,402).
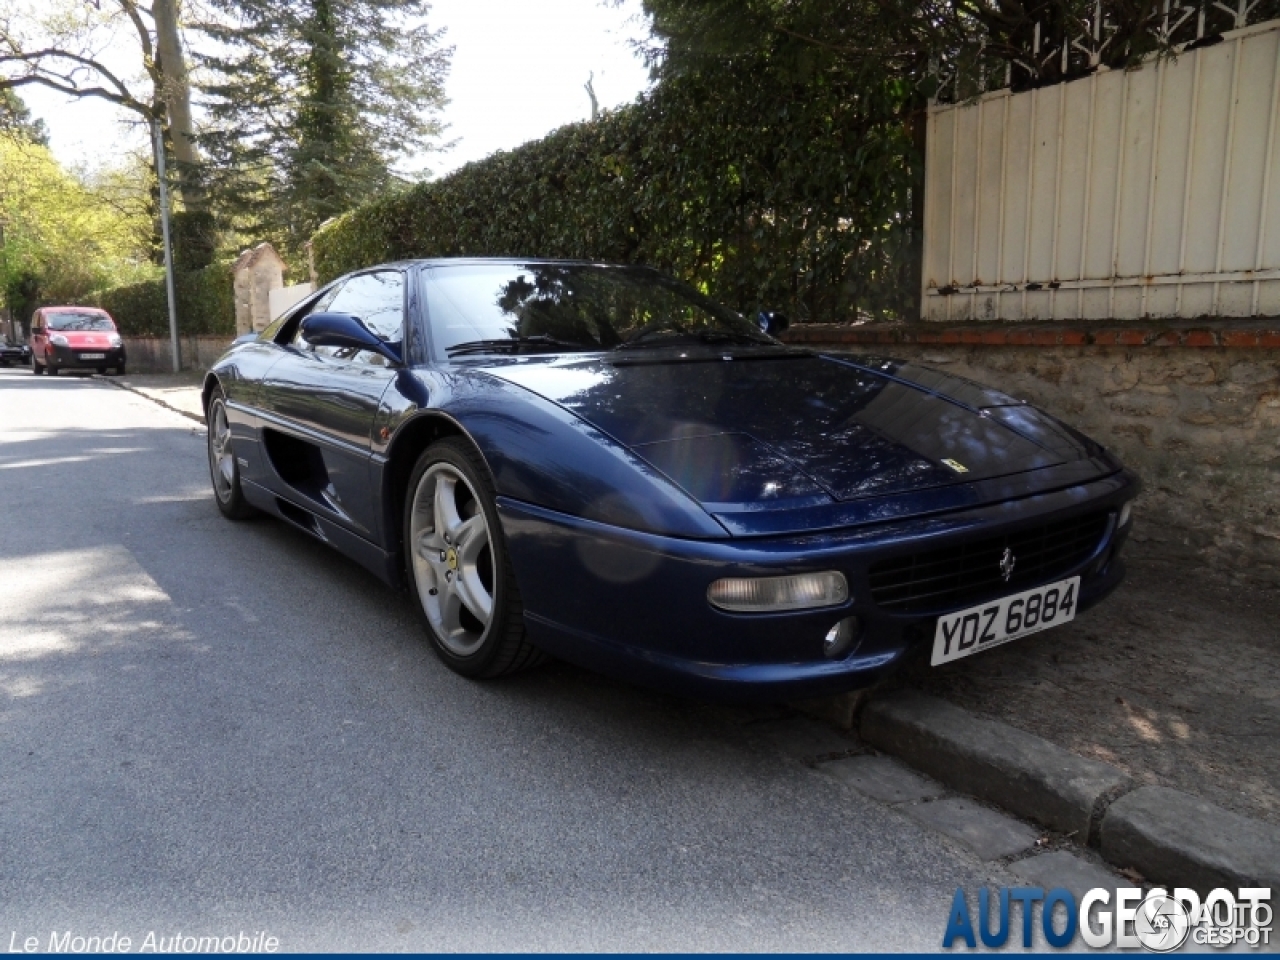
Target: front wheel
(457,566)
(223,468)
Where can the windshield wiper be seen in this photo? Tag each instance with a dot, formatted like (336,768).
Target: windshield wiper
(666,338)
(541,342)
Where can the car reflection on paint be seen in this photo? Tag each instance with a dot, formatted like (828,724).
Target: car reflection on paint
(598,463)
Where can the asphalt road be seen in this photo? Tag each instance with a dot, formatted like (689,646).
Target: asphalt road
(209,727)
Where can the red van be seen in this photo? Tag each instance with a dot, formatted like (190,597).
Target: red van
(75,338)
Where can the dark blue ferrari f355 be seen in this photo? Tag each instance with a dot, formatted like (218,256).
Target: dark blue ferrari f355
(599,463)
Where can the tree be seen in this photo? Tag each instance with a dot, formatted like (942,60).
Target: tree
(15,117)
(845,60)
(313,104)
(64,238)
(68,45)
(955,48)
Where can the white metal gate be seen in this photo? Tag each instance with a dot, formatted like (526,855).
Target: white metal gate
(1148,192)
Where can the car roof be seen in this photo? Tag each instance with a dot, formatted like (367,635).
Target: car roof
(73,308)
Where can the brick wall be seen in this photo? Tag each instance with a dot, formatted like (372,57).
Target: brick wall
(1196,412)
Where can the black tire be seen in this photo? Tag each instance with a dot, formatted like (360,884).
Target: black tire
(51,371)
(486,650)
(224,470)
(120,370)
(102,371)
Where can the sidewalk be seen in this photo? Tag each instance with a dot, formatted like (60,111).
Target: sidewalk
(1175,679)
(177,391)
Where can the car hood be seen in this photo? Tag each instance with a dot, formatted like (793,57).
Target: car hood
(787,430)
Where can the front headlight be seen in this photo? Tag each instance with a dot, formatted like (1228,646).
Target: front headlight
(115,340)
(1125,511)
(766,594)
(57,339)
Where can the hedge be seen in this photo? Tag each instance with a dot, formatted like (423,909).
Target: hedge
(764,191)
(205,302)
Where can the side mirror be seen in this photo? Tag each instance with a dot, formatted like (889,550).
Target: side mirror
(344,330)
(772,322)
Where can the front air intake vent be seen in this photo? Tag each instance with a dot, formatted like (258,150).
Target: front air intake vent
(968,572)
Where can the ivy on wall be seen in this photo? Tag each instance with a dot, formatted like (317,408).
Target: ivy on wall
(763,188)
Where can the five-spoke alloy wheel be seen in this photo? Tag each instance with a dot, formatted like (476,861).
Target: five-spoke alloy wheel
(457,565)
(223,469)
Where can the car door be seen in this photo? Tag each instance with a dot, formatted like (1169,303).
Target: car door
(318,405)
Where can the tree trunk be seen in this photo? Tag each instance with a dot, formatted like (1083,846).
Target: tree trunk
(176,93)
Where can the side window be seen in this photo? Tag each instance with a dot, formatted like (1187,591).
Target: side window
(378,300)
(320,306)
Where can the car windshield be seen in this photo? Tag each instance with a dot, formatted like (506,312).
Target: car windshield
(509,308)
(79,321)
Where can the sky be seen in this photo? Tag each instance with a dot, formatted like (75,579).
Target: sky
(518,72)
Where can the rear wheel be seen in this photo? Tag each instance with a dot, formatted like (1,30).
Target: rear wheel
(224,471)
(457,566)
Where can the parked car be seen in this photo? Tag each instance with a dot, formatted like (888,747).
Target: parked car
(11,352)
(600,463)
(75,338)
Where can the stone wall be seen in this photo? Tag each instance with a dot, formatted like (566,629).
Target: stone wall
(1199,424)
(154,355)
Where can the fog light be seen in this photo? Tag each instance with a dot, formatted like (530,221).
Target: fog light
(840,638)
(1124,514)
(765,594)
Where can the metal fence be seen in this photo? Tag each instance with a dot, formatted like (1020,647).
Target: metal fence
(1148,192)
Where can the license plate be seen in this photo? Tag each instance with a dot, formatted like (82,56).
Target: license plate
(988,625)
(93,356)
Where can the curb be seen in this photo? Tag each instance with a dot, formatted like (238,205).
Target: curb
(1166,833)
(1160,832)
(124,385)
(993,761)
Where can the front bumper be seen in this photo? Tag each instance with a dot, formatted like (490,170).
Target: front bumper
(72,358)
(634,604)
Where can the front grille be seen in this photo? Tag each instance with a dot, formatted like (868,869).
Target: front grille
(968,573)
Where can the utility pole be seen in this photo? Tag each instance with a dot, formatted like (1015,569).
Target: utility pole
(158,140)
